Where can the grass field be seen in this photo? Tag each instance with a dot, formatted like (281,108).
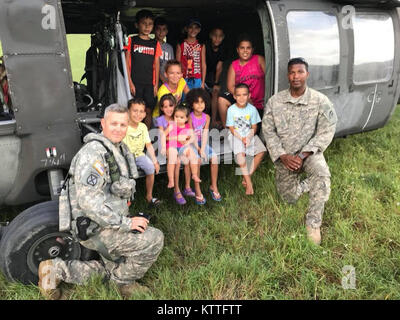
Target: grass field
(256,248)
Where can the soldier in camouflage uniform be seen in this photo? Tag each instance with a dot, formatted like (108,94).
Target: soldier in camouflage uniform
(93,194)
(298,125)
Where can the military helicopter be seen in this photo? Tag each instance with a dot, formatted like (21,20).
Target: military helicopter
(351,47)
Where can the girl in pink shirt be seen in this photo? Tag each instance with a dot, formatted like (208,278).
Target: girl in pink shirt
(181,140)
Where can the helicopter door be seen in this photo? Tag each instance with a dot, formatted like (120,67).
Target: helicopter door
(35,51)
(311,29)
(374,65)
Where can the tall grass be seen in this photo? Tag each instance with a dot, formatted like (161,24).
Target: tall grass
(256,247)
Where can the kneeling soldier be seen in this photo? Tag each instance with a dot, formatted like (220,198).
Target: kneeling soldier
(96,196)
(298,125)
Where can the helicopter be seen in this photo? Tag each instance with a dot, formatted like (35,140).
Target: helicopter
(352,48)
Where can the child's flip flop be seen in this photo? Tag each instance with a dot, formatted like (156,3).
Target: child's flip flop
(200,200)
(215,195)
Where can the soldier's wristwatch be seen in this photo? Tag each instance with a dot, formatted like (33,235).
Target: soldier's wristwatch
(302,156)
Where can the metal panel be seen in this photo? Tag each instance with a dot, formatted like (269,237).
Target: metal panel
(35,49)
(36,55)
(10,147)
(31,26)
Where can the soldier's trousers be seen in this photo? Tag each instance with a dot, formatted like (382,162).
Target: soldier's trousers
(317,182)
(140,252)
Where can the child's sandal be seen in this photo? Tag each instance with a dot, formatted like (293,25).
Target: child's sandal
(215,195)
(200,200)
(181,200)
(154,203)
(188,192)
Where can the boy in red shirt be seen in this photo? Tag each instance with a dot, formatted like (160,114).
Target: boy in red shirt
(143,63)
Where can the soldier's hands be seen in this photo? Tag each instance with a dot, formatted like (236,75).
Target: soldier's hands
(139,223)
(293,163)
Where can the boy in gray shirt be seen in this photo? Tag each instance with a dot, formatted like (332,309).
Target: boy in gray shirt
(161,31)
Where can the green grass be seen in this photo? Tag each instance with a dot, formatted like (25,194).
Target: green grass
(256,248)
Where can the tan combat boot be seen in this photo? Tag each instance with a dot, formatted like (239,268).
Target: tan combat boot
(126,290)
(48,282)
(314,235)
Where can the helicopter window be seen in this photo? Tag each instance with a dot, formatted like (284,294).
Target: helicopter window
(307,28)
(373,48)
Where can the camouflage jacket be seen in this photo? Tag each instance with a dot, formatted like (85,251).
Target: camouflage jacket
(90,184)
(292,125)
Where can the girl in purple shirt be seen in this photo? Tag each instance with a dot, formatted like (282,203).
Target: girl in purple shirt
(198,100)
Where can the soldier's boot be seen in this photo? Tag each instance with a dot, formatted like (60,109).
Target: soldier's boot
(126,290)
(314,235)
(48,282)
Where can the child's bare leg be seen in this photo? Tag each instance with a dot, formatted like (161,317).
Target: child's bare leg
(172,163)
(256,162)
(193,162)
(197,189)
(241,160)
(176,179)
(188,173)
(214,105)
(149,187)
(214,174)
(223,105)
(147,120)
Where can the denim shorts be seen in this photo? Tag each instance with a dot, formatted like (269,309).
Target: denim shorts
(182,149)
(209,151)
(193,83)
(144,163)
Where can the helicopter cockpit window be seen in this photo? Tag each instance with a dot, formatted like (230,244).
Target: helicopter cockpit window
(373,48)
(314,35)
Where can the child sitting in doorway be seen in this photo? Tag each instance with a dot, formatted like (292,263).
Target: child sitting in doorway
(242,120)
(137,138)
(199,100)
